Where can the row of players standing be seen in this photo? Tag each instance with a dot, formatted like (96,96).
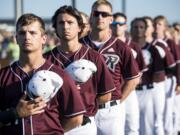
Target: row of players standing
(160,81)
(118,58)
(155,107)
(64,111)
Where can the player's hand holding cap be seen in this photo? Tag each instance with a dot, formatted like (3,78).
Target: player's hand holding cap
(81,70)
(44,83)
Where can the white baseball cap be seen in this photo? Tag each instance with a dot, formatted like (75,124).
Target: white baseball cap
(44,83)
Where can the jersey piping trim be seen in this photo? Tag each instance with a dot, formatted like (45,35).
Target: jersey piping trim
(50,66)
(56,58)
(74,114)
(128,42)
(100,51)
(107,91)
(133,77)
(144,70)
(172,65)
(23,126)
(85,43)
(85,52)
(178,62)
(161,71)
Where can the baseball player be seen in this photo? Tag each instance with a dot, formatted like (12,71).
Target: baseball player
(18,114)
(172,79)
(121,64)
(152,86)
(97,89)
(119,27)
(176,111)
(86,28)
(149,30)
(177,96)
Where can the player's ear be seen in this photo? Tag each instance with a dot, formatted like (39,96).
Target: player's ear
(16,39)
(80,29)
(126,26)
(44,38)
(111,19)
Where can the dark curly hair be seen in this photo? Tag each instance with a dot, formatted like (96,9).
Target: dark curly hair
(71,11)
(139,19)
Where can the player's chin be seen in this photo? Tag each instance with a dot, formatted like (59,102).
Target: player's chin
(67,38)
(26,50)
(100,27)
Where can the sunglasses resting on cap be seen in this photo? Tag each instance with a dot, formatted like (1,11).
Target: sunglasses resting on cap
(103,14)
(118,23)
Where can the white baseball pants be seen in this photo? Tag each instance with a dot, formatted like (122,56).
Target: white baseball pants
(88,129)
(176,114)
(109,120)
(145,101)
(169,102)
(158,105)
(132,114)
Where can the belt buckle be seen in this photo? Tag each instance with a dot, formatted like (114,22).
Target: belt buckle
(86,120)
(150,86)
(101,106)
(112,103)
(139,87)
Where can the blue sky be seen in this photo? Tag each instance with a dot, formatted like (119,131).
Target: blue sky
(134,8)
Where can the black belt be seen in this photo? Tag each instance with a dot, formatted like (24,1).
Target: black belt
(86,120)
(169,76)
(148,86)
(112,103)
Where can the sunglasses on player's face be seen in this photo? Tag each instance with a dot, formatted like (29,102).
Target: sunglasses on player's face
(103,14)
(118,23)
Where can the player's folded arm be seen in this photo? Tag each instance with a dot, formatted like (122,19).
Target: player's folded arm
(103,98)
(72,122)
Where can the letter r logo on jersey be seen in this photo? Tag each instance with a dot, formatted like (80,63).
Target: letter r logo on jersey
(111,61)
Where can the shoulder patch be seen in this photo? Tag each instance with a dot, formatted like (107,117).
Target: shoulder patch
(147,56)
(163,42)
(134,53)
(161,51)
(110,50)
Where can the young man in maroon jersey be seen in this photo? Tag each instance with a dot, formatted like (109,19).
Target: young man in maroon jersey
(18,115)
(86,28)
(97,89)
(150,92)
(120,62)
(172,78)
(119,27)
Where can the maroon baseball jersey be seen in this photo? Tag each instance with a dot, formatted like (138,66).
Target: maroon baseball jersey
(174,50)
(168,58)
(66,103)
(178,64)
(119,59)
(155,64)
(101,81)
(139,56)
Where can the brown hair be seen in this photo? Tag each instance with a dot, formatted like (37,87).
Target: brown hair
(101,2)
(71,11)
(161,18)
(29,18)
